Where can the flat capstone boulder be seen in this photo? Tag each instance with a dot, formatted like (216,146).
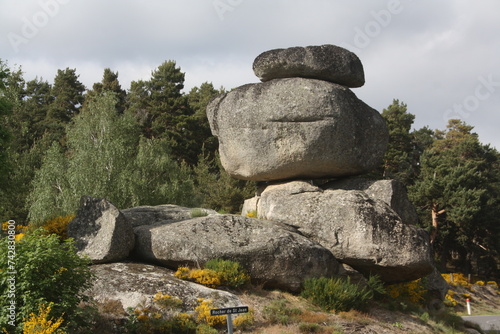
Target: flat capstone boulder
(324,62)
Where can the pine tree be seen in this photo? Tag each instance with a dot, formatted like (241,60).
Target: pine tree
(109,83)
(198,99)
(5,109)
(456,183)
(68,96)
(163,111)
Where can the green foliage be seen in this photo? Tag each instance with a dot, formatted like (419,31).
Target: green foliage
(107,159)
(47,271)
(156,178)
(217,190)
(459,186)
(216,272)
(306,327)
(197,212)
(376,286)
(232,273)
(278,312)
(336,294)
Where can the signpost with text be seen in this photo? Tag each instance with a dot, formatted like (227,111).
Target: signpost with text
(228,311)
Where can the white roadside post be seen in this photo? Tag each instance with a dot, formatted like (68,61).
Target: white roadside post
(468,306)
(228,312)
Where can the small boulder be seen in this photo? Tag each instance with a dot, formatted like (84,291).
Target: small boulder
(325,62)
(275,256)
(296,128)
(166,213)
(134,285)
(392,192)
(101,231)
(362,232)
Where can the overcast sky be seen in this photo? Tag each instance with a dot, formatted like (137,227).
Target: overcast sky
(441,58)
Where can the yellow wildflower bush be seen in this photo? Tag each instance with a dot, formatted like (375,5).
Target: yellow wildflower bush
(41,323)
(244,321)
(449,299)
(58,225)
(203,314)
(413,291)
(456,279)
(492,283)
(182,273)
(206,277)
(252,214)
(19,229)
(167,301)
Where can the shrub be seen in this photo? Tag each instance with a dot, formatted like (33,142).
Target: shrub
(244,321)
(41,324)
(232,273)
(196,212)
(203,314)
(216,272)
(413,291)
(278,312)
(252,214)
(306,327)
(58,225)
(161,317)
(336,294)
(48,271)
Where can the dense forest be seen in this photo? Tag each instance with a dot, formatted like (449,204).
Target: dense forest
(151,144)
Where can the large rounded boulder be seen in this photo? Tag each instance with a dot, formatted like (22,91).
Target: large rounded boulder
(360,231)
(296,128)
(275,255)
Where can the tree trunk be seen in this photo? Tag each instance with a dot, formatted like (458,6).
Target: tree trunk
(435,222)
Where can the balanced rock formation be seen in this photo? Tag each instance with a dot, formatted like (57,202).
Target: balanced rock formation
(326,62)
(296,128)
(362,232)
(274,255)
(101,231)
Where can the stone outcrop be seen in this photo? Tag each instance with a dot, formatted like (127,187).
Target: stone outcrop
(161,214)
(391,192)
(325,62)
(296,128)
(274,255)
(362,232)
(134,285)
(101,231)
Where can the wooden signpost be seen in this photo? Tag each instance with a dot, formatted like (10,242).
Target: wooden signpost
(228,311)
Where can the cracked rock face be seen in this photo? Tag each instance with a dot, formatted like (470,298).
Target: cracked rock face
(360,231)
(274,255)
(296,128)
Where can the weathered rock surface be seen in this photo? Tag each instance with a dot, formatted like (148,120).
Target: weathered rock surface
(135,284)
(362,232)
(167,213)
(391,192)
(275,255)
(101,231)
(296,128)
(325,62)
